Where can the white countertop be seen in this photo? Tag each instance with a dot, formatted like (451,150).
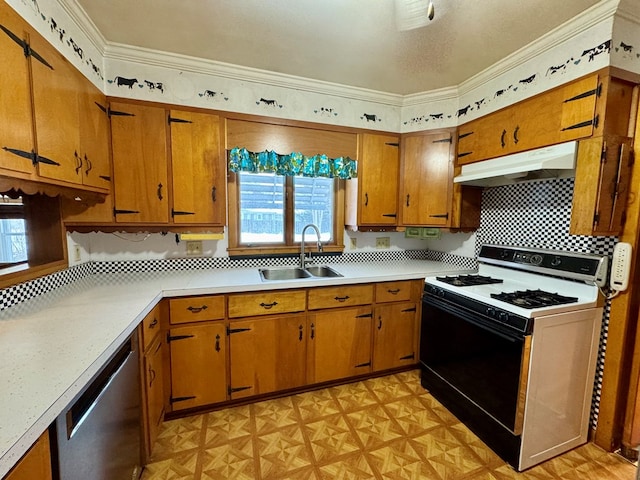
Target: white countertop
(52,346)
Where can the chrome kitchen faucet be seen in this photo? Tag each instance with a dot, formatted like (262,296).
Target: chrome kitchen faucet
(302,257)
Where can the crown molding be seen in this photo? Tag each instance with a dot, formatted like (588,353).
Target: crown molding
(185,63)
(599,13)
(431,96)
(84,24)
(629,10)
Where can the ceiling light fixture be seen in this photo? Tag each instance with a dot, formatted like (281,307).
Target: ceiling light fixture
(412,14)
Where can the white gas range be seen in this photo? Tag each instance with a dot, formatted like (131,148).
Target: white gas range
(511,350)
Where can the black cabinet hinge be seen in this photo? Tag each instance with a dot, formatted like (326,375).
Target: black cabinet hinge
(117,211)
(33,156)
(366,364)
(170,120)
(462,135)
(464,154)
(596,91)
(173,400)
(440,215)
(391,144)
(105,177)
(596,218)
(231,391)
(586,123)
(26,48)
(178,212)
(115,113)
(444,140)
(408,357)
(393,215)
(237,330)
(412,309)
(365,315)
(173,338)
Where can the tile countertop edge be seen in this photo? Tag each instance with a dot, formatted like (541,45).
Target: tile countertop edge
(197,283)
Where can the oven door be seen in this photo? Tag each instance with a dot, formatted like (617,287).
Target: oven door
(478,359)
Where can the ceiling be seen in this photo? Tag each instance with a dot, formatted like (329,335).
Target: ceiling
(348,42)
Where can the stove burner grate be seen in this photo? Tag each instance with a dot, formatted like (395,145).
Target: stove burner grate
(533,298)
(468,280)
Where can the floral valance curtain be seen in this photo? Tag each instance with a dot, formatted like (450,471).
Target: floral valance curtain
(293,164)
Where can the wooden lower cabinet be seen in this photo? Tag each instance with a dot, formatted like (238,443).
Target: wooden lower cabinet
(340,344)
(35,464)
(267,354)
(198,365)
(154,391)
(395,336)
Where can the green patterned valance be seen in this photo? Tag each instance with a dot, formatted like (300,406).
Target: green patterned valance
(294,164)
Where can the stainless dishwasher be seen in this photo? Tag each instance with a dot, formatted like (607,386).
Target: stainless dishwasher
(99,435)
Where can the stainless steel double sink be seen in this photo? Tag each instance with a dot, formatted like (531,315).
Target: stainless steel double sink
(292,273)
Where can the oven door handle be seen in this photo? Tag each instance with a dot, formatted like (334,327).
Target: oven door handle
(470,317)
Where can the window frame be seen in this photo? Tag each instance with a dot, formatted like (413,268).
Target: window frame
(236,248)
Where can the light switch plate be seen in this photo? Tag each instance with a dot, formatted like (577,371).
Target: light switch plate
(383,242)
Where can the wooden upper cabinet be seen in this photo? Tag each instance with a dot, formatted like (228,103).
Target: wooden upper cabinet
(139,146)
(16,127)
(558,115)
(425,182)
(94,136)
(378,170)
(56,105)
(197,168)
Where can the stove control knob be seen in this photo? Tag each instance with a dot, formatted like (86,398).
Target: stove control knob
(536,259)
(440,293)
(491,312)
(555,261)
(503,317)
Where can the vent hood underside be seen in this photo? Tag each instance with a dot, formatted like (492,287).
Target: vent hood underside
(557,161)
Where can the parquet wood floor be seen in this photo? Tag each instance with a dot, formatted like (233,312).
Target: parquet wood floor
(386,428)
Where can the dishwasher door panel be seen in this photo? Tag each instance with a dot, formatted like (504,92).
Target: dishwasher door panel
(99,435)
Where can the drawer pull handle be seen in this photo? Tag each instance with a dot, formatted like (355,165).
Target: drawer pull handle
(394,292)
(197,309)
(217,343)
(268,305)
(380,324)
(341,299)
(152,376)
(154,323)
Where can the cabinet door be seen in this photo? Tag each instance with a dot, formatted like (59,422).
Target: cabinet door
(426,180)
(139,144)
(56,111)
(198,168)
(94,136)
(36,463)
(198,365)
(395,336)
(378,169)
(153,375)
(340,344)
(16,128)
(267,354)
(486,137)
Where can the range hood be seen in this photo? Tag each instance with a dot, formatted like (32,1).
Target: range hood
(557,161)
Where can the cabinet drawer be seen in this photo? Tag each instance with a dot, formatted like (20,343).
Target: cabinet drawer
(393,291)
(150,326)
(196,309)
(266,303)
(344,296)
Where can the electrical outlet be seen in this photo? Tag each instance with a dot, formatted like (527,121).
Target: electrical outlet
(383,242)
(354,242)
(77,256)
(194,247)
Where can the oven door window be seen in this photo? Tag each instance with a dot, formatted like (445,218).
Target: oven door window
(483,365)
